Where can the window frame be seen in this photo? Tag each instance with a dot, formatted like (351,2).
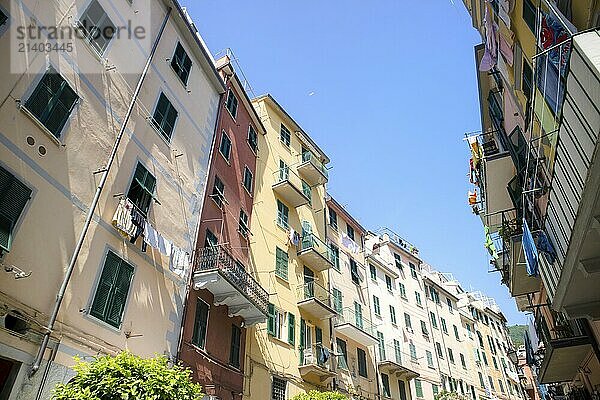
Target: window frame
(14,223)
(250,141)
(88,34)
(225,139)
(281,382)
(376,306)
(283,215)
(248,172)
(285,136)
(332,215)
(279,273)
(218,194)
(182,69)
(244,223)
(362,362)
(234,104)
(235,361)
(151,195)
(159,128)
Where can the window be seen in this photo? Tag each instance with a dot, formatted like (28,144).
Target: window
(337,300)
(376,306)
(491,382)
(450,355)
(424,330)
(252,139)
(343,354)
(398,261)
(284,135)
(211,240)
(181,63)
(164,117)
(495,362)
(485,361)
(277,321)
(529,14)
(307,190)
(373,272)
(419,388)
(333,219)
(358,315)
(97,27)
(278,389)
(456,335)
(334,253)
(501,385)
(243,223)
(450,306)
(413,351)
(388,283)
(402,389)
(362,362)
(281,263)
(385,382)
(435,389)
(232,103)
(354,272)
(381,345)
(282,215)
(248,179)
(52,101)
(480,339)
(438,350)
(418,299)
(462,361)
(112,290)
(225,146)
(481,383)
(200,323)
(350,231)
(407,321)
(444,327)
(433,320)
(141,189)
(429,359)
(14,195)
(397,351)
(3,20)
(234,353)
(402,290)
(527,79)
(218,193)
(284,171)
(469,333)
(393,315)
(413,270)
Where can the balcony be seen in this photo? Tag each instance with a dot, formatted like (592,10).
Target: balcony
(288,187)
(316,364)
(314,253)
(313,170)
(355,327)
(520,283)
(315,300)
(567,345)
(226,278)
(395,363)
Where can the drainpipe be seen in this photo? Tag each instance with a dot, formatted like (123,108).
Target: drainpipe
(63,287)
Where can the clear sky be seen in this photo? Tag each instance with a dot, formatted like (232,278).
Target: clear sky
(387,89)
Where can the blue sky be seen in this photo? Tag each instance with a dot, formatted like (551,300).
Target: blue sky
(394,91)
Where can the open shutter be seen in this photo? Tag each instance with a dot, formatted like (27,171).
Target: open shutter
(14,195)
(199,336)
(271,320)
(291,329)
(302,340)
(119,298)
(105,289)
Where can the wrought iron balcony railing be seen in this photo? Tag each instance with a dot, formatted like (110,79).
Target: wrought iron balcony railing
(218,258)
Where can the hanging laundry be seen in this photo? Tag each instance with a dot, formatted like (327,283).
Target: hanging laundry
(140,223)
(503,69)
(489,243)
(475,150)
(531,253)
(506,48)
(553,32)
(164,245)
(350,244)
(472,197)
(490,56)
(179,262)
(544,245)
(503,11)
(150,235)
(294,237)
(122,219)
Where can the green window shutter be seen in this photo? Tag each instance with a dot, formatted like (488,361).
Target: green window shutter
(14,195)
(318,335)
(271,320)
(302,339)
(281,263)
(200,323)
(362,362)
(122,283)
(418,388)
(111,293)
(234,352)
(291,329)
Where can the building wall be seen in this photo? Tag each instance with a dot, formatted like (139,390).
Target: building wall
(266,355)
(63,184)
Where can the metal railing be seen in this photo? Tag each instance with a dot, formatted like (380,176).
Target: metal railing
(312,290)
(217,258)
(311,242)
(286,174)
(317,354)
(558,327)
(307,156)
(399,241)
(349,316)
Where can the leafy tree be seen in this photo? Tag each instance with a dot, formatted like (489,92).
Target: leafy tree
(316,395)
(449,396)
(128,377)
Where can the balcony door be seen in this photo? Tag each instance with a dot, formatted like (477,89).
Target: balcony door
(307,239)
(309,286)
(306,352)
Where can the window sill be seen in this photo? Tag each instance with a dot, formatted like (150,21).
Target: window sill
(100,57)
(225,158)
(230,114)
(101,323)
(160,133)
(33,118)
(281,341)
(284,280)
(253,150)
(184,84)
(247,191)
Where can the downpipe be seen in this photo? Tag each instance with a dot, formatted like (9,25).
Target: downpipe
(63,288)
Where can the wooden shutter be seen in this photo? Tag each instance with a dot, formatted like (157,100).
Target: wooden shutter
(302,340)
(119,298)
(200,323)
(14,195)
(281,263)
(104,291)
(271,320)
(291,329)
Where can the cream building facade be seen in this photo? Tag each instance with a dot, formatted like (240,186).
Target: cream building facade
(59,122)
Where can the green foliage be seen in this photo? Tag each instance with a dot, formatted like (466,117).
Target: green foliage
(517,333)
(449,396)
(128,377)
(315,395)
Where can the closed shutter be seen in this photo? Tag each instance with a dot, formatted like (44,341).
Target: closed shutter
(106,285)
(302,340)
(119,298)
(14,195)
(281,263)
(199,336)
(291,329)
(271,320)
